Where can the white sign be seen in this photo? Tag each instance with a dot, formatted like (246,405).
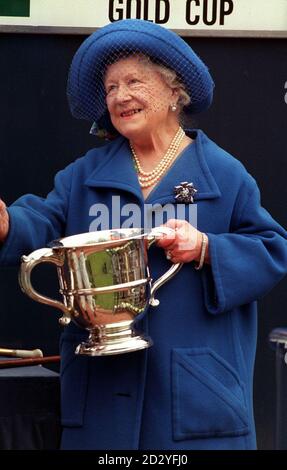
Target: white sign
(188,15)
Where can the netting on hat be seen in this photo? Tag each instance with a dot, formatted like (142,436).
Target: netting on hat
(122,59)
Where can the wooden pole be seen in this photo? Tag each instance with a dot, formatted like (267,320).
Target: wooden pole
(28,362)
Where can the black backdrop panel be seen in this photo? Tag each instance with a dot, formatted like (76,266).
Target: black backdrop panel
(38,137)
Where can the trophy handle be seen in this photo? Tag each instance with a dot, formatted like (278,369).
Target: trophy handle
(153,235)
(44,255)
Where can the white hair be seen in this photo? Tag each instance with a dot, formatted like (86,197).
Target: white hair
(171,79)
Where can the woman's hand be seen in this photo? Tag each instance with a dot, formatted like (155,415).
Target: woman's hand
(4,221)
(185,244)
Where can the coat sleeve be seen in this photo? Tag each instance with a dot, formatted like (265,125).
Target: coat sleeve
(247,262)
(35,221)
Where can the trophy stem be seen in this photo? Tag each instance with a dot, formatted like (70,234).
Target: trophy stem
(113,338)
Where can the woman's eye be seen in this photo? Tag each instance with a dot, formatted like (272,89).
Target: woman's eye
(110,89)
(133,81)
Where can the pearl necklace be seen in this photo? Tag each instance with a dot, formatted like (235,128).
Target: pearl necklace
(149,178)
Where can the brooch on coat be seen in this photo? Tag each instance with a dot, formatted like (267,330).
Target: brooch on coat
(185,192)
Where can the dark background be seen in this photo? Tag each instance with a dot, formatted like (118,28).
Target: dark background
(38,137)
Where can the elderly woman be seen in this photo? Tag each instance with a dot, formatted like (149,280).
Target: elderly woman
(193,388)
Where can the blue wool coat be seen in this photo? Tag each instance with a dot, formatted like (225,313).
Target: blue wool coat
(193,388)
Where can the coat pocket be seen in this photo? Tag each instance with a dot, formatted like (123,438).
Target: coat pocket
(208,396)
(74,381)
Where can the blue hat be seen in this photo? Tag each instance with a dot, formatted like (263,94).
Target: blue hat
(86,93)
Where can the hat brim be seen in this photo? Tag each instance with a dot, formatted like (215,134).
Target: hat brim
(85,87)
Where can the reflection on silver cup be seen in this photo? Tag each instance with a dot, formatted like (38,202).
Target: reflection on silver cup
(105,283)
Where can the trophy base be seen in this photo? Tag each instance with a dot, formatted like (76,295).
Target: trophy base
(113,339)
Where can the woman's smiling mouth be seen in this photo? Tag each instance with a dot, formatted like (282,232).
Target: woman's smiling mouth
(130,112)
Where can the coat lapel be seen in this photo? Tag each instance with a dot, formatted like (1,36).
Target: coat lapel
(191,166)
(117,171)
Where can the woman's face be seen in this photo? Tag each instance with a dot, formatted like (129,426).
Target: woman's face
(137,97)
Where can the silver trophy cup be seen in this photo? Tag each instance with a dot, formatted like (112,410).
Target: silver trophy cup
(105,283)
